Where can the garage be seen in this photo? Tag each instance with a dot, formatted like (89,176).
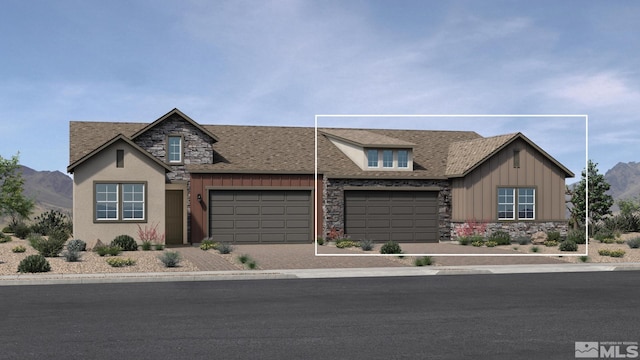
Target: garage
(402,216)
(260,216)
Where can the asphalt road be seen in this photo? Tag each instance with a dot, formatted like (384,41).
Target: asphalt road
(532,316)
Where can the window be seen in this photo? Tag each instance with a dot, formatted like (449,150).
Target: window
(120,158)
(525,203)
(106,201)
(403,158)
(387,158)
(126,202)
(175,149)
(372,158)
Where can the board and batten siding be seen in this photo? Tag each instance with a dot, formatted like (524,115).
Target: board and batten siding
(474,197)
(201,183)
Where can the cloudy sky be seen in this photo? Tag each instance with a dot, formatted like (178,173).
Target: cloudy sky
(283,62)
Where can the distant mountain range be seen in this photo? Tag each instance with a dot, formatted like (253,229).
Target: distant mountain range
(52,190)
(624,179)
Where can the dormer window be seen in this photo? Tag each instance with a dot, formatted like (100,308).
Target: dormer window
(403,159)
(387,158)
(174,149)
(372,158)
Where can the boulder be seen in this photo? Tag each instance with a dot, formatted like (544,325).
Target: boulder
(94,244)
(539,238)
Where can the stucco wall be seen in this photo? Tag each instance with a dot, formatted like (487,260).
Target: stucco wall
(102,167)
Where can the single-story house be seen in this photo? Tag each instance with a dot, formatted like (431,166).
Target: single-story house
(257,184)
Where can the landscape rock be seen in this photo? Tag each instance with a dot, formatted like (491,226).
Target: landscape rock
(539,238)
(91,245)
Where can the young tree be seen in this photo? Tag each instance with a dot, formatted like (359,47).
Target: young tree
(13,203)
(599,201)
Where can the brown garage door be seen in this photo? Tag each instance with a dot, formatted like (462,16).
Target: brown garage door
(403,216)
(260,216)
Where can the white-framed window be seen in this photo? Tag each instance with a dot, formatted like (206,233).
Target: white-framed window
(403,158)
(120,201)
(372,158)
(387,158)
(522,199)
(132,201)
(174,151)
(106,201)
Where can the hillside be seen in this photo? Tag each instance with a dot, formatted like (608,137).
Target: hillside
(50,189)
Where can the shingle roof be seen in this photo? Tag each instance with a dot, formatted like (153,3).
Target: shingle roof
(464,155)
(366,138)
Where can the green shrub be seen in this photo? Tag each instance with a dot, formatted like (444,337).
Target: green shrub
(4,238)
(491,243)
(7,229)
(19,249)
(71,255)
(243,258)
(21,230)
(225,248)
(500,237)
(345,243)
(607,241)
(553,235)
(252,265)
(568,245)
(52,220)
(320,240)
(158,247)
(34,264)
(535,249)
(577,235)
(477,243)
(604,234)
(120,262)
(76,245)
(584,258)
(423,261)
(208,244)
(550,243)
(390,247)
(366,245)
(634,243)
(108,250)
(612,253)
(50,247)
(523,240)
(170,258)
(125,242)
(146,245)
(464,240)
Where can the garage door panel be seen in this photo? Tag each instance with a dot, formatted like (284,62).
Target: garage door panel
(392,215)
(260,216)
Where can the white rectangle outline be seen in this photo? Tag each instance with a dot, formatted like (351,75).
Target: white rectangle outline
(315,198)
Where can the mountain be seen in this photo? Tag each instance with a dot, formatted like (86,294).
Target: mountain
(52,190)
(624,179)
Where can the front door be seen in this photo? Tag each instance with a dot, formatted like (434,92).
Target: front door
(174,217)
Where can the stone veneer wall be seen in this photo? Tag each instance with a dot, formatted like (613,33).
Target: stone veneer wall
(197,149)
(333,195)
(519,229)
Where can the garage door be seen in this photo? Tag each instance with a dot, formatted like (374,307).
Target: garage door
(403,216)
(260,216)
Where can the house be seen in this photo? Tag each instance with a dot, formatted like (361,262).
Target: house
(257,184)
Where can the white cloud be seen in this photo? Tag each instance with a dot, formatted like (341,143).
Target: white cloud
(602,89)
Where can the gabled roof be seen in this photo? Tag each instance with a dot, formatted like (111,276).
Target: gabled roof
(465,156)
(166,116)
(366,138)
(108,143)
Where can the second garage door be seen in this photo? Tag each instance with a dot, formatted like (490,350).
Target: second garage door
(403,216)
(260,216)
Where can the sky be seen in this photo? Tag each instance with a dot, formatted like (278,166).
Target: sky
(284,62)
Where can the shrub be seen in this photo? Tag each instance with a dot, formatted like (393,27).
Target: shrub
(71,255)
(550,243)
(50,247)
(34,264)
(577,235)
(158,247)
(366,245)
(634,243)
(477,243)
(535,249)
(491,243)
(390,247)
(584,258)
(423,261)
(125,242)
(523,240)
(76,245)
(243,258)
(120,262)
(252,265)
(170,258)
(500,237)
(52,220)
(150,235)
(21,230)
(345,243)
(7,229)
(207,244)
(604,234)
(464,240)
(108,250)
(320,240)
(225,248)
(568,245)
(4,238)
(146,245)
(553,235)
(19,249)
(612,253)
